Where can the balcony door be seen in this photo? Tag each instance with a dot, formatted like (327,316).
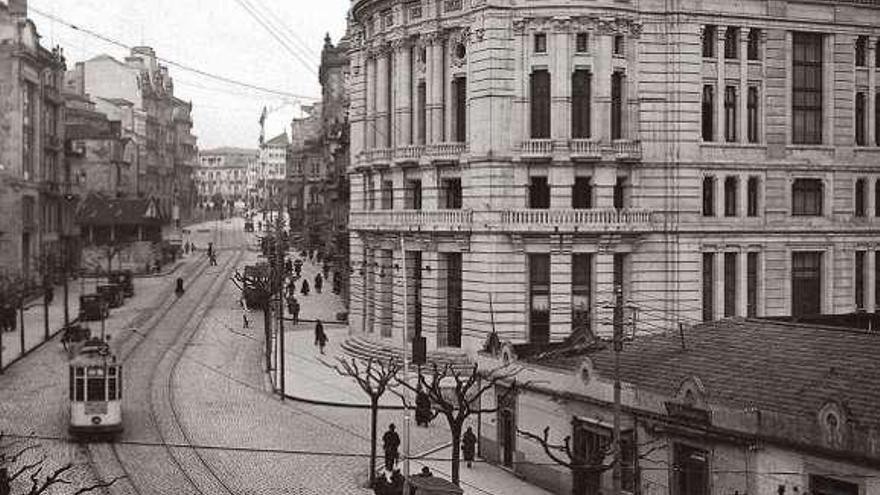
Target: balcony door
(806,283)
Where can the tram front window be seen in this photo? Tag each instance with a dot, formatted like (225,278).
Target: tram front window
(111,384)
(95,391)
(78,391)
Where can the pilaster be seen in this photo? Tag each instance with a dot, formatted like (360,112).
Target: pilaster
(560,100)
(383,116)
(560,287)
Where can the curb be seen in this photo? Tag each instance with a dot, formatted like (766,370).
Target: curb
(341,405)
(27,352)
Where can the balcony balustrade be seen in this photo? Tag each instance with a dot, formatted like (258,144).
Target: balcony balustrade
(429,220)
(378,156)
(627,150)
(446,151)
(536,148)
(584,149)
(409,153)
(569,220)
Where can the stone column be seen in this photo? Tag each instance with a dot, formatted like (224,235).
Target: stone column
(431,294)
(601,116)
(720,130)
(370,77)
(561,180)
(519,112)
(741,279)
(632,122)
(438,93)
(872,92)
(604,180)
(560,287)
(447,89)
(742,104)
(603,303)
(559,46)
(383,115)
(403,92)
(718,283)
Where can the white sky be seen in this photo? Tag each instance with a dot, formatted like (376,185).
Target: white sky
(216,36)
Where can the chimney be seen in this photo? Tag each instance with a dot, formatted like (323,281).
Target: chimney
(17,8)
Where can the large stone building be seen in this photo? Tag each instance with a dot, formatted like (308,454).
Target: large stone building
(709,158)
(271,181)
(36,196)
(222,174)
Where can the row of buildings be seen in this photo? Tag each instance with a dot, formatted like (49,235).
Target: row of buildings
(102,131)
(521,164)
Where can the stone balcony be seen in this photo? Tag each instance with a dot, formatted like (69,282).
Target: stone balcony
(411,220)
(584,149)
(627,150)
(536,149)
(378,156)
(576,220)
(408,153)
(445,152)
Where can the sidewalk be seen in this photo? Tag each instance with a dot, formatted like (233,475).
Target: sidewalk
(309,379)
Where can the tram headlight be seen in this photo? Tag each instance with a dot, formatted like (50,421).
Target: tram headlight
(96,420)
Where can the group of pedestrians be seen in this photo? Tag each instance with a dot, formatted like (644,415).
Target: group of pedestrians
(391,446)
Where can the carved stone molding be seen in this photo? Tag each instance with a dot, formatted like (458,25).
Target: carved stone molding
(432,37)
(519,25)
(561,24)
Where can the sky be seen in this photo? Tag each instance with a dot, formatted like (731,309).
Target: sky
(219,37)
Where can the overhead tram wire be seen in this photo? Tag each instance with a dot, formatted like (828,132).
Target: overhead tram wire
(275,34)
(282,28)
(188,68)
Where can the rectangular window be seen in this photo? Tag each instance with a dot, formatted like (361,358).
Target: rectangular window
(807,88)
(620,199)
(708,112)
(860,196)
(453,299)
(859,280)
(452,193)
(690,470)
(617,105)
(581,94)
(581,43)
(619,44)
(752,196)
(387,195)
(421,96)
(459,93)
(806,283)
(861,51)
(806,197)
(752,110)
(582,193)
(540,92)
(708,286)
(581,284)
(540,42)
(861,117)
(539,298)
(753,43)
(877,279)
(730,105)
(731,186)
(752,285)
(539,192)
(709,37)
(708,196)
(415,194)
(730,284)
(731,43)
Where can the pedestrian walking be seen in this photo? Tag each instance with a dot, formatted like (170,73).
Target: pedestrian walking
(305,288)
(245,323)
(423,408)
(210,249)
(320,336)
(319,283)
(213,258)
(294,310)
(468,446)
(297,267)
(390,443)
(326,269)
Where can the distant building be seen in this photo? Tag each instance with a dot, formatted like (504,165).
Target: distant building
(272,175)
(36,196)
(221,176)
(185,161)
(733,406)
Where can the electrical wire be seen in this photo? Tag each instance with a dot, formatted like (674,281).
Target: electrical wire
(260,18)
(285,31)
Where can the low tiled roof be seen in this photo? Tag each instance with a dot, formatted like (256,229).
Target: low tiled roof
(782,367)
(101,210)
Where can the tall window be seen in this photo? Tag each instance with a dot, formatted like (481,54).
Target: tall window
(752,196)
(582,193)
(581,283)
(860,196)
(752,285)
(618,48)
(29,96)
(807,88)
(415,194)
(617,105)
(861,51)
(581,43)
(580,103)
(752,110)
(690,470)
(453,299)
(708,286)
(620,189)
(539,192)
(708,196)
(859,280)
(877,279)
(387,195)
(422,114)
(452,193)
(806,283)
(877,119)
(539,298)
(709,37)
(806,197)
(540,42)
(459,93)
(708,112)
(730,114)
(731,43)
(729,284)
(540,91)
(730,196)
(861,116)
(753,43)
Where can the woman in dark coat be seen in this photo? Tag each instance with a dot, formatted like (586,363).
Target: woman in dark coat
(468,446)
(305,288)
(320,336)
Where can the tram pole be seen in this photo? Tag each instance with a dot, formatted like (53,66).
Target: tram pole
(279,262)
(406,415)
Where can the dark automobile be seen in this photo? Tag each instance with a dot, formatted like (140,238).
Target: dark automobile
(113,294)
(123,278)
(93,307)
(248,225)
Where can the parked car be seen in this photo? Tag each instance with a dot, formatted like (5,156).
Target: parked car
(93,307)
(123,278)
(248,225)
(113,294)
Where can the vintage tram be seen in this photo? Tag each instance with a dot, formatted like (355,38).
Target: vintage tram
(95,392)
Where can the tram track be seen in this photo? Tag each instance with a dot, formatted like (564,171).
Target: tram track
(159,384)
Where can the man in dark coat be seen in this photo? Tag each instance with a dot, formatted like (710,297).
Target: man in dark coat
(293,309)
(468,446)
(305,288)
(319,283)
(390,443)
(320,336)
(423,408)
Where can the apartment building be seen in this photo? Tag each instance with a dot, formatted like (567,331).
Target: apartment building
(222,174)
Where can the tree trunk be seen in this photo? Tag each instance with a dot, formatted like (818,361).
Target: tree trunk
(374,419)
(267,326)
(456,452)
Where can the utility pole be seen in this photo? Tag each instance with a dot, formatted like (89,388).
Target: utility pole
(618,346)
(406,344)
(279,262)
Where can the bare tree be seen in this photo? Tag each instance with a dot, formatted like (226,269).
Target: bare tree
(374,379)
(260,283)
(596,459)
(457,403)
(22,463)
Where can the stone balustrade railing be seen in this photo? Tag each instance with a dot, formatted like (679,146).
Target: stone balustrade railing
(409,152)
(594,217)
(441,150)
(537,147)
